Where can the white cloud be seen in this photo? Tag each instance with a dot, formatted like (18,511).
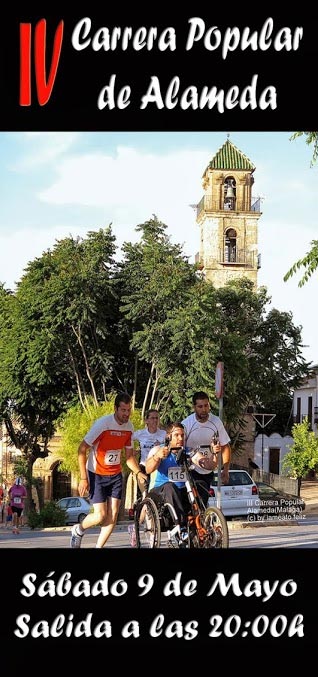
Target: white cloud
(44,147)
(26,245)
(127,178)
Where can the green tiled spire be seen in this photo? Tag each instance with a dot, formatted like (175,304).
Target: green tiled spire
(230,157)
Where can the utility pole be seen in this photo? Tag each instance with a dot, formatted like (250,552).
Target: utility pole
(263,420)
(219,391)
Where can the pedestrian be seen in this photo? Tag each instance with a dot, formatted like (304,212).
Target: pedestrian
(101,471)
(17,494)
(203,428)
(148,437)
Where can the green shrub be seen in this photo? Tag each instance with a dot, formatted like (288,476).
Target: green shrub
(50,516)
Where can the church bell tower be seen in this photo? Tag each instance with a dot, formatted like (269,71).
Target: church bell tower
(228,218)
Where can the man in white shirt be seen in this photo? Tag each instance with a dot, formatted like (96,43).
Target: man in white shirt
(202,429)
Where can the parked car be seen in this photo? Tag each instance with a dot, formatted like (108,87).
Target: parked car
(277,502)
(76,508)
(239,497)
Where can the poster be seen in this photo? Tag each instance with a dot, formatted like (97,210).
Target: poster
(109,70)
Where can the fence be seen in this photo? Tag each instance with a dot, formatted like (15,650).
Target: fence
(287,484)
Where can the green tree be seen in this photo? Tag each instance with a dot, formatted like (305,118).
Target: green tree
(303,454)
(310,261)
(57,339)
(71,306)
(311,140)
(154,277)
(261,352)
(30,396)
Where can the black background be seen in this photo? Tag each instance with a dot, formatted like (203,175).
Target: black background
(82,74)
(73,106)
(129,564)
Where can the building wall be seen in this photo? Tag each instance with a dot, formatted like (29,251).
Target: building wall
(212,243)
(8,455)
(43,467)
(303,406)
(274,441)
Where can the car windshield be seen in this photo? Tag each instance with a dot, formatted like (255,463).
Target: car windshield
(235,478)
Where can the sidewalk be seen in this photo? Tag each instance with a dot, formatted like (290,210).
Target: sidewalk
(309,492)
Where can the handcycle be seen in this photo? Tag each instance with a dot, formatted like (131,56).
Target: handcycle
(206,527)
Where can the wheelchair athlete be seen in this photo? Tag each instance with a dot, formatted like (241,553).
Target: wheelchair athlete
(167,481)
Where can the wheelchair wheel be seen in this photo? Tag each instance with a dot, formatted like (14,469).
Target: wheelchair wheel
(147,524)
(216,526)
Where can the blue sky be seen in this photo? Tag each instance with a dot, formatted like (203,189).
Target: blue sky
(60,183)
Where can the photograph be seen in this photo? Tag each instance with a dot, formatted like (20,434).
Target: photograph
(158,360)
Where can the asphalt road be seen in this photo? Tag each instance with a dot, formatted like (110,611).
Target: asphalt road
(303,534)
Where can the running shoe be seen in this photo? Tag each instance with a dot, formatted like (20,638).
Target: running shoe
(76,538)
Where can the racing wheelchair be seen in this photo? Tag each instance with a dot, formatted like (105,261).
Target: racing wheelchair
(206,527)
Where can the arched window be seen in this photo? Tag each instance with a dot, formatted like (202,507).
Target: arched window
(229,193)
(230,251)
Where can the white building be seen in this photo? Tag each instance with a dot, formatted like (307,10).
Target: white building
(306,400)
(269,451)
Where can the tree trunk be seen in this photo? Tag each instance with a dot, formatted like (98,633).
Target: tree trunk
(147,391)
(133,399)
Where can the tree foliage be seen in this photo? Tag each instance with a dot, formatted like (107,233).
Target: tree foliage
(311,140)
(303,454)
(155,278)
(57,339)
(30,400)
(82,326)
(310,261)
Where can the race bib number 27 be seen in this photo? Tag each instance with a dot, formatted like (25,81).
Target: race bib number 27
(112,457)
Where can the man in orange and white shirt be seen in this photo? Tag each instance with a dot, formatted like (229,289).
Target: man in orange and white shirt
(101,472)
